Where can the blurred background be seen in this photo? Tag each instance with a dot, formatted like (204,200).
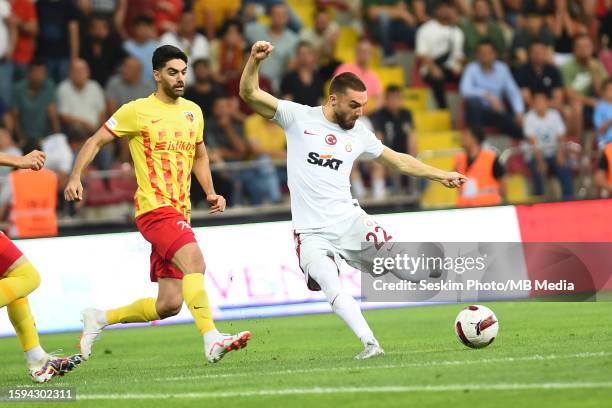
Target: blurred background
(514,93)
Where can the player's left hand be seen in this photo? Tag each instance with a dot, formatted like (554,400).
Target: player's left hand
(453,179)
(216,202)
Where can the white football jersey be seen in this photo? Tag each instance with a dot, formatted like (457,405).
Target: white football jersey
(320,156)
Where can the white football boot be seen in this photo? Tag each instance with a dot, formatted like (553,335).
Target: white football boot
(224,344)
(371,349)
(51,366)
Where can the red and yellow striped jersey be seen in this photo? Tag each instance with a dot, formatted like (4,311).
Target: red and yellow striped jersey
(162,140)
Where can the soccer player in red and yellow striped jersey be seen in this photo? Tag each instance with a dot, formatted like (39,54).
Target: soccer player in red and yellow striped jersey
(165,135)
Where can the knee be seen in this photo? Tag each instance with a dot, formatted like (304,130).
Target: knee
(168,307)
(191,261)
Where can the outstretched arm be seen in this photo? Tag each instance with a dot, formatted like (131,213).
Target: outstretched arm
(260,101)
(34,160)
(406,164)
(74,188)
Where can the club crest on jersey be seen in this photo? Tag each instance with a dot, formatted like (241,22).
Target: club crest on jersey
(324,160)
(348,147)
(331,139)
(189,115)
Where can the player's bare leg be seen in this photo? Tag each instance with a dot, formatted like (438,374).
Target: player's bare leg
(325,272)
(189,259)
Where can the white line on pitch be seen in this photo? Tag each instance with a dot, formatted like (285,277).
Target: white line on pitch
(351,390)
(536,357)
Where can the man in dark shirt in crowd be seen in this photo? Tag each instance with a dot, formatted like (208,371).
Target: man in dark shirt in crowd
(303,85)
(101,50)
(537,75)
(393,125)
(205,90)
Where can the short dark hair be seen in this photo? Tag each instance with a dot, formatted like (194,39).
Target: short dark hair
(303,43)
(540,93)
(166,53)
(486,41)
(347,80)
(581,36)
(229,23)
(142,20)
(477,132)
(538,41)
(201,61)
(393,89)
(37,61)
(444,3)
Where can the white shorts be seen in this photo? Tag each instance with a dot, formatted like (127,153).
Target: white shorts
(355,240)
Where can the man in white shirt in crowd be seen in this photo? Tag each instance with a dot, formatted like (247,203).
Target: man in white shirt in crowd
(323,142)
(439,48)
(186,38)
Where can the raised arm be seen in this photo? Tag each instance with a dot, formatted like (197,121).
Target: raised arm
(406,164)
(260,101)
(74,188)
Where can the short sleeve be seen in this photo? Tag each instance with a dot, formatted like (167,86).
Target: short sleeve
(286,113)
(124,122)
(529,127)
(560,129)
(372,147)
(200,118)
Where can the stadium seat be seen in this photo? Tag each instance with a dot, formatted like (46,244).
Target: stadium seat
(304,9)
(390,76)
(416,99)
(432,121)
(345,47)
(438,140)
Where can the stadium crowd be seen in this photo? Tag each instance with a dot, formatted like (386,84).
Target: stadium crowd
(536,71)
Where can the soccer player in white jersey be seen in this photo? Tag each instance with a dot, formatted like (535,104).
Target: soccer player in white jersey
(322,144)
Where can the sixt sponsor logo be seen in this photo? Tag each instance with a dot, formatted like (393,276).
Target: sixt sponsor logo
(324,160)
(178,145)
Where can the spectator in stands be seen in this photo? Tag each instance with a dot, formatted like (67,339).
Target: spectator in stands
(603,175)
(565,28)
(186,38)
(545,131)
(227,52)
(485,185)
(390,21)
(393,125)
(59,157)
(101,51)
(6,118)
(323,36)
(439,47)
(283,40)
(58,39)
(254,8)
(26,22)
(534,29)
(267,142)
(134,10)
(81,99)
(34,107)
(303,85)
(582,76)
(167,15)
(225,142)
(111,10)
(363,55)
(142,45)
(481,26)
(485,84)
(211,15)
(602,117)
(126,86)
(205,90)
(7,45)
(538,75)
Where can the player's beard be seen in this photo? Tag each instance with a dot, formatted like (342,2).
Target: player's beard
(343,120)
(171,91)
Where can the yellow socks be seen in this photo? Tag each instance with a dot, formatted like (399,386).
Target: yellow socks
(142,310)
(23,322)
(197,300)
(18,283)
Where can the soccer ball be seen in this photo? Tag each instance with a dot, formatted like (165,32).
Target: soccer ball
(476,326)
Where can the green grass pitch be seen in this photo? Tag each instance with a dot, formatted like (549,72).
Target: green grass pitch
(546,355)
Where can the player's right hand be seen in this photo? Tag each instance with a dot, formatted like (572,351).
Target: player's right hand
(35,160)
(261,50)
(73,190)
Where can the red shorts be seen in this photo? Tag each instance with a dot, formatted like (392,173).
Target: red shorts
(167,231)
(9,253)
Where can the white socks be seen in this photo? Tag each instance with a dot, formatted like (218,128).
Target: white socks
(325,272)
(210,337)
(35,355)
